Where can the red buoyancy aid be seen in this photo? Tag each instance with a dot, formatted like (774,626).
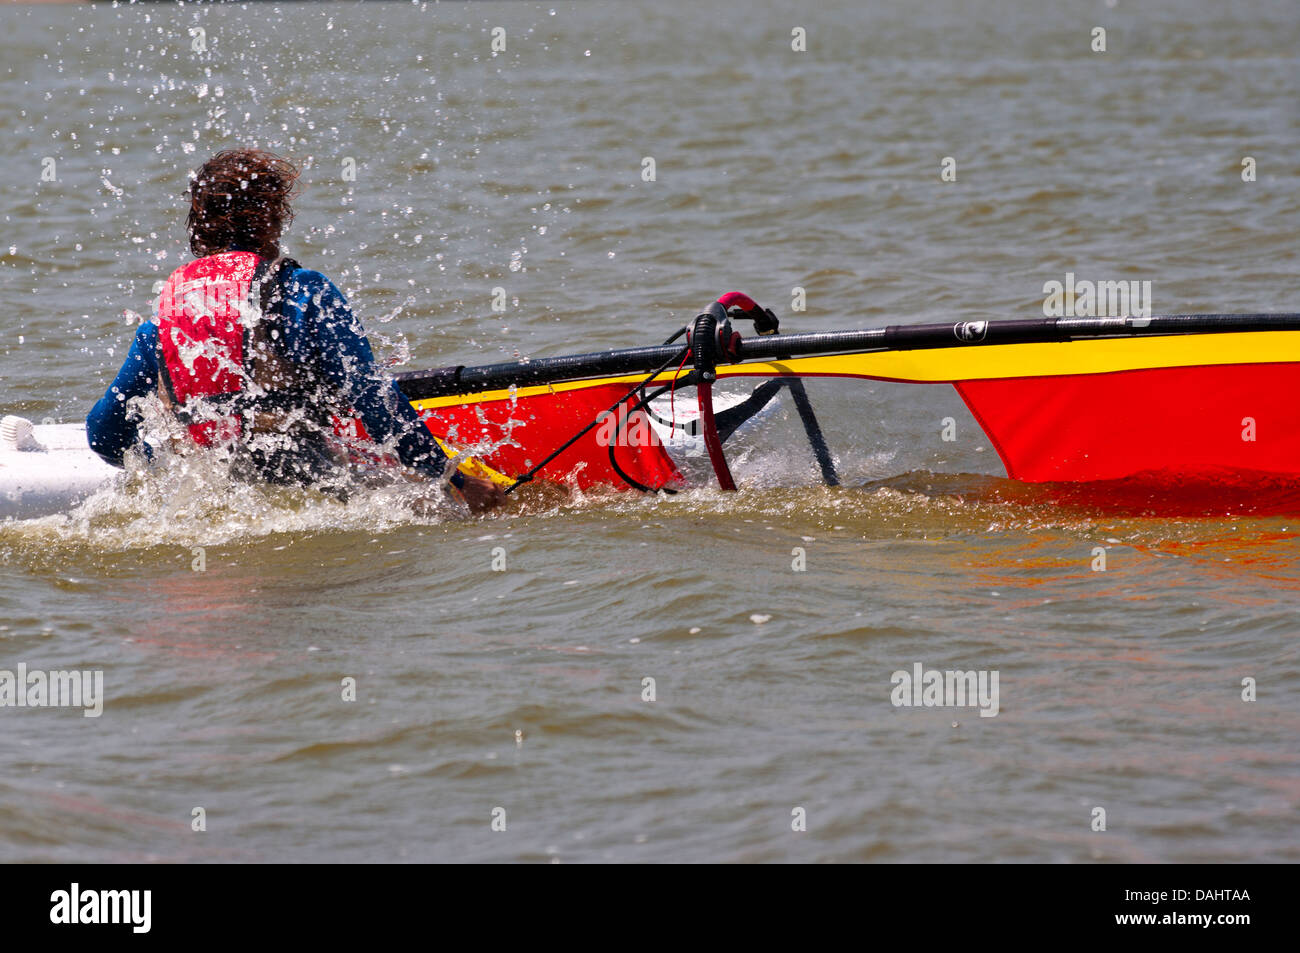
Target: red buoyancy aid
(201,334)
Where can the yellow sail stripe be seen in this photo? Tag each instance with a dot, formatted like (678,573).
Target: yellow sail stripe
(1049,358)
(475,467)
(981,362)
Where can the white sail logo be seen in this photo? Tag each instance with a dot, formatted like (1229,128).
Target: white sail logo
(971,331)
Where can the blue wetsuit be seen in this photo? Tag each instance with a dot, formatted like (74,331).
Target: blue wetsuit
(320,332)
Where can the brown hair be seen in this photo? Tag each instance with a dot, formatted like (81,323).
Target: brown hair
(240,199)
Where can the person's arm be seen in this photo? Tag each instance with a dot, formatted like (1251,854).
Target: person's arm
(322,332)
(110,428)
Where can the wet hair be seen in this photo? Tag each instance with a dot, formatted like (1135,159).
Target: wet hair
(240,199)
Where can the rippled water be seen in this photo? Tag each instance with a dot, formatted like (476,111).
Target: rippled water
(522,689)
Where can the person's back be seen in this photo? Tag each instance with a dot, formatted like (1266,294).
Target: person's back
(252,353)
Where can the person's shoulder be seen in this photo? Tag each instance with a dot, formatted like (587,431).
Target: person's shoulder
(309,286)
(147,332)
(314,301)
(309,278)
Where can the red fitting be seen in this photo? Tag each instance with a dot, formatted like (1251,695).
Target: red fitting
(737,299)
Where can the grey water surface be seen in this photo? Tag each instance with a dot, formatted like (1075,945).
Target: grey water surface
(771,620)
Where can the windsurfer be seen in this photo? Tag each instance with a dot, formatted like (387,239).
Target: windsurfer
(252,352)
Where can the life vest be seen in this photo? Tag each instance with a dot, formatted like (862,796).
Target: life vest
(219,372)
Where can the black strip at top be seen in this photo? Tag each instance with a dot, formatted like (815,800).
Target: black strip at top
(459,379)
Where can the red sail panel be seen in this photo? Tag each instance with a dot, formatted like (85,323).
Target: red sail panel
(521,432)
(1224,420)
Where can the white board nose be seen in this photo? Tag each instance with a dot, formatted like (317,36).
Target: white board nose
(16,434)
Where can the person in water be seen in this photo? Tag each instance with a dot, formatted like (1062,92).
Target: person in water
(252,352)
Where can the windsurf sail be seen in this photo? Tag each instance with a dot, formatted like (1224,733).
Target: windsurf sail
(1061,399)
